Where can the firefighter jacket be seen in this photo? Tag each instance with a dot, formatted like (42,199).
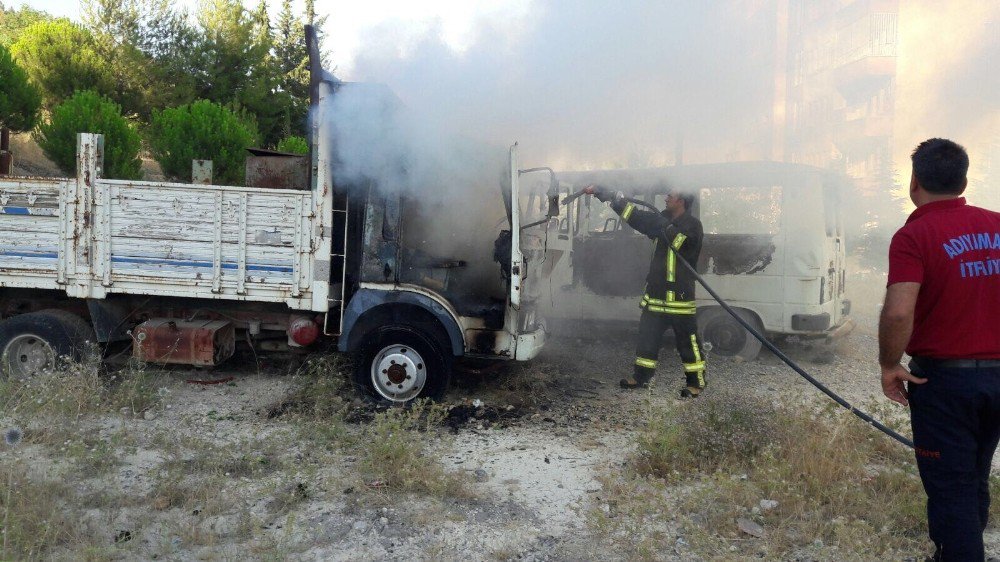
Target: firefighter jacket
(669,285)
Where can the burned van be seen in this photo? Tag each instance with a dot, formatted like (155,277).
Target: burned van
(774,250)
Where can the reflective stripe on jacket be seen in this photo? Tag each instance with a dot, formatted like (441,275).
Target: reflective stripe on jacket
(669,284)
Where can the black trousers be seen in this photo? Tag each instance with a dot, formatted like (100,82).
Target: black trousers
(955,417)
(651,328)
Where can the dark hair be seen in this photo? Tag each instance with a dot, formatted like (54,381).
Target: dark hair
(940,166)
(686,197)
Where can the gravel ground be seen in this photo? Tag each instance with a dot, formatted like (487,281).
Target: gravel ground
(535,443)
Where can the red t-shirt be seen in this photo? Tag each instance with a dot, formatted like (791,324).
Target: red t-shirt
(953,251)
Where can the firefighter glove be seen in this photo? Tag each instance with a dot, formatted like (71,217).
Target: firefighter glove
(604,194)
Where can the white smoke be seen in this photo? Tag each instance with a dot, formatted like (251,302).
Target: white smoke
(588,82)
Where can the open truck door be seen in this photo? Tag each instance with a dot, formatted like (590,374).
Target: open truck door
(514,213)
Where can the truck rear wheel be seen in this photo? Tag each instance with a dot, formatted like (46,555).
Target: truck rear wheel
(400,364)
(727,336)
(32,343)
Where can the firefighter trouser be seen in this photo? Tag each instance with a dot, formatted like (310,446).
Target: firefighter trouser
(955,417)
(651,328)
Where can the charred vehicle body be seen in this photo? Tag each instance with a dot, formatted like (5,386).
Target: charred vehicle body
(184,273)
(774,249)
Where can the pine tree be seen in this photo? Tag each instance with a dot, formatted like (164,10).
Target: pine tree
(19,102)
(262,25)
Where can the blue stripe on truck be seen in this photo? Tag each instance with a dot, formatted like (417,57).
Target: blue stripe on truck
(156,261)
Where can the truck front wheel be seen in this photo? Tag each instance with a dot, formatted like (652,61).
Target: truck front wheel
(31,343)
(400,364)
(727,336)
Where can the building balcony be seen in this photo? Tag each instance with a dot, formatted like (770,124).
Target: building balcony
(868,74)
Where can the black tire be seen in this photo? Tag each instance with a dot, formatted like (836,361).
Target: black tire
(413,365)
(31,335)
(726,336)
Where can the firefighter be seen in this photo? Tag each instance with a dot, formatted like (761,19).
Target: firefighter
(941,308)
(668,301)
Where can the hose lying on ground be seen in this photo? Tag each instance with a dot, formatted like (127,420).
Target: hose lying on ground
(763,340)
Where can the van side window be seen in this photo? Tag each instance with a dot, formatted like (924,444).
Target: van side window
(741,210)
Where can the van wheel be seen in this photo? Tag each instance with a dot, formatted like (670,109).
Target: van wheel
(400,364)
(726,336)
(32,343)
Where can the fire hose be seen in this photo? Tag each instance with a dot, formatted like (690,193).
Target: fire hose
(867,418)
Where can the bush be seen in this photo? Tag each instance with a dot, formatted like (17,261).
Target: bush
(725,430)
(293,145)
(62,58)
(834,485)
(19,100)
(202,131)
(88,112)
(394,453)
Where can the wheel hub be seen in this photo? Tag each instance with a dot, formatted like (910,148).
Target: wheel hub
(398,373)
(725,338)
(27,355)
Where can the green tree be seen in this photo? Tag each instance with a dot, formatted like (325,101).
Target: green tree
(19,103)
(229,54)
(90,112)
(61,58)
(311,18)
(117,22)
(145,45)
(19,100)
(293,57)
(235,67)
(293,145)
(167,36)
(262,25)
(13,22)
(202,131)
(287,49)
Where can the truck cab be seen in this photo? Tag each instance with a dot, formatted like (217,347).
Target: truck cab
(184,273)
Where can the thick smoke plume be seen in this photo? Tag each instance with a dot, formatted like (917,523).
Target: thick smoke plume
(633,84)
(590,83)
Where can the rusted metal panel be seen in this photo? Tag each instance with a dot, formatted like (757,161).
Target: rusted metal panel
(201,172)
(277,170)
(169,340)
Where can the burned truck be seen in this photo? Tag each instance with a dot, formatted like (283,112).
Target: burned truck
(184,273)
(773,249)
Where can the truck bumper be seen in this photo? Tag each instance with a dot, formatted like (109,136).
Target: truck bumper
(842,330)
(530,344)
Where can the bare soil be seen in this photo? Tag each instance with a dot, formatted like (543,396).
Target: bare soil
(533,442)
(225,471)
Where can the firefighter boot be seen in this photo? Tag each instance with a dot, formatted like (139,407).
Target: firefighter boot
(695,384)
(642,373)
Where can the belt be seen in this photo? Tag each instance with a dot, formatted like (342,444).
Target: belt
(931,363)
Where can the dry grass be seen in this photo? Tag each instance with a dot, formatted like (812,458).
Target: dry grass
(842,490)
(32,519)
(392,453)
(74,390)
(38,518)
(45,493)
(726,431)
(320,400)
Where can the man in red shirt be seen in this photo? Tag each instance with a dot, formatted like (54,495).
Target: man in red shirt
(941,306)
